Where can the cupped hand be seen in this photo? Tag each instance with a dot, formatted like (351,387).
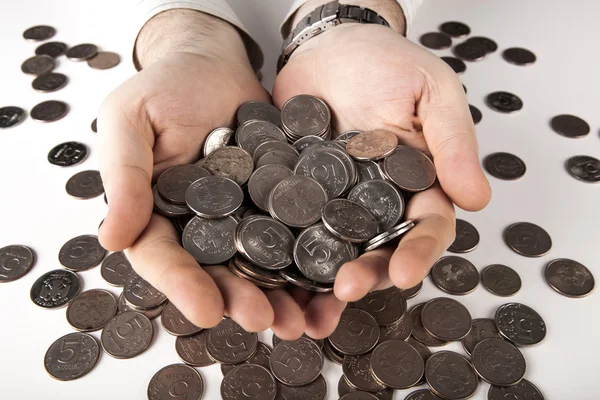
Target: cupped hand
(373,78)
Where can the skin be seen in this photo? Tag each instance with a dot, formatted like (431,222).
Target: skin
(196,74)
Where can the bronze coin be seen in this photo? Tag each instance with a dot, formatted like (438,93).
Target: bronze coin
(481,328)
(397,364)
(386,306)
(104,60)
(528,239)
(229,343)
(249,381)
(316,390)
(296,363)
(409,169)
(357,370)
(451,375)
(176,323)
(372,145)
(446,319)
(467,237)
(192,349)
(356,333)
(419,331)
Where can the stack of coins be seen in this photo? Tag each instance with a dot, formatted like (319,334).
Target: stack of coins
(305,115)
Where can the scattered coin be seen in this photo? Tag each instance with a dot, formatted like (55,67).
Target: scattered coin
(411,292)
(151,313)
(357,370)
(82,52)
(81,253)
(584,168)
(470,50)
(38,65)
(95,125)
(91,310)
(455,29)
(569,278)
(501,280)
(498,362)
(467,237)
(297,201)
(504,166)
(481,328)
(528,239)
(174,182)
(455,275)
(127,335)
(258,111)
(504,102)
(476,115)
(265,242)
(192,349)
(85,185)
(52,49)
(263,180)
(116,269)
(216,139)
(104,60)
(229,343)
(456,64)
(141,294)
(409,169)
(488,44)
(39,33)
(248,379)
(444,367)
(570,126)
(422,394)
(55,289)
(419,331)
(349,341)
(210,241)
(306,366)
(372,145)
(49,82)
(164,383)
(397,364)
(316,390)
(49,111)
(435,40)
(176,323)
(446,319)
(11,116)
(522,390)
(231,162)
(262,357)
(349,221)
(518,56)
(386,306)
(68,154)
(520,324)
(15,261)
(72,356)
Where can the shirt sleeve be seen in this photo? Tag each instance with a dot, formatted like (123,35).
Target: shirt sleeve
(409,7)
(146,9)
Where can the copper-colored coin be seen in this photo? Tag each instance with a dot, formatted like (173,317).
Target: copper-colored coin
(296,363)
(192,349)
(372,145)
(356,333)
(229,343)
(104,60)
(397,364)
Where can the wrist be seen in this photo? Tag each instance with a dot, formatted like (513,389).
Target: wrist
(188,31)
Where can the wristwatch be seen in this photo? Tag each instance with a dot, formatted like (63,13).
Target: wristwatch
(322,19)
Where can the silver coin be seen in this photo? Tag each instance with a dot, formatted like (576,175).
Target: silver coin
(528,239)
(451,376)
(382,199)
(91,310)
(455,275)
(253,133)
(498,362)
(327,168)
(272,145)
(265,242)
(15,261)
(141,294)
(250,381)
(174,182)
(520,324)
(411,292)
(104,60)
(293,275)
(127,335)
(523,390)
(344,137)
(357,370)
(287,159)
(399,330)
(297,201)
(303,143)
(324,144)
(49,111)
(389,235)
(72,356)
(349,221)
(39,33)
(316,390)
(176,323)
(307,368)
(81,253)
(406,370)
(422,394)
(176,380)
(584,168)
(569,278)
(481,328)
(216,139)
(258,111)
(214,197)
(55,289)
(336,148)
(11,116)
(319,255)
(446,319)
(305,115)
(167,209)
(386,306)
(85,185)
(500,280)
(467,238)
(409,169)
(82,52)
(261,357)
(210,241)
(229,343)
(262,182)
(255,277)
(368,170)
(192,349)
(38,65)
(231,162)
(419,332)
(50,82)
(151,313)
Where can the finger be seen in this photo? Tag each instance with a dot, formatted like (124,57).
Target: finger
(322,315)
(301,296)
(289,318)
(450,135)
(126,141)
(245,303)
(423,245)
(158,258)
(367,273)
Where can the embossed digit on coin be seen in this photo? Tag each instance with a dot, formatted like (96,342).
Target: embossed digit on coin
(501,280)
(176,323)
(397,364)
(367,171)
(176,380)
(327,167)
(467,237)
(72,356)
(81,253)
(214,197)
(455,275)
(528,239)
(504,166)
(85,185)
(372,145)
(446,319)
(261,356)
(229,343)
(91,310)
(522,390)
(116,269)
(297,201)
(356,333)
(265,242)
(249,381)
(520,324)
(450,375)
(67,154)
(409,169)
(481,328)
(192,349)
(173,183)
(386,306)
(297,362)
(210,241)
(569,278)
(127,334)
(498,362)
(55,289)
(15,261)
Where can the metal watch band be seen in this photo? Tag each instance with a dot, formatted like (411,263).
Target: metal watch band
(324,18)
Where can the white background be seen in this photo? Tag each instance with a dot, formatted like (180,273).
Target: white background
(36,211)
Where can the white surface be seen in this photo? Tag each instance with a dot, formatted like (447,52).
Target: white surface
(36,211)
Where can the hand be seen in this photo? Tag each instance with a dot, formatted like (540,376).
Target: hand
(374,78)
(160,118)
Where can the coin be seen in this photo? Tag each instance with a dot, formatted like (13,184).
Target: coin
(455,275)
(386,306)
(265,242)
(501,280)
(38,65)
(55,289)
(81,253)
(422,394)
(49,82)
(476,115)
(82,52)
(192,349)
(248,381)
(349,221)
(151,313)
(116,269)
(520,324)
(316,390)
(127,335)
(253,133)
(173,183)
(569,278)
(446,319)
(320,342)
(52,49)
(11,116)
(305,115)
(15,261)
(141,294)
(263,180)
(295,277)
(489,45)
(344,388)
(217,138)
(419,331)
(297,201)
(528,239)
(498,362)
(296,363)
(455,29)
(229,343)
(280,157)
(176,378)
(389,235)
(397,364)
(210,241)
(49,111)
(231,162)
(470,50)
(104,60)
(357,370)
(305,142)
(91,310)
(257,275)
(346,136)
(331,353)
(261,357)
(504,166)
(372,145)
(504,102)
(467,237)
(409,169)
(399,330)
(481,328)
(176,323)
(584,168)
(411,292)
(85,185)
(94,125)
(518,56)
(67,154)
(435,40)
(446,366)
(357,395)
(258,111)
(275,145)
(367,171)
(570,126)
(333,253)
(166,208)
(72,356)
(522,390)
(356,333)
(421,348)
(327,168)
(214,197)
(39,33)
(456,64)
